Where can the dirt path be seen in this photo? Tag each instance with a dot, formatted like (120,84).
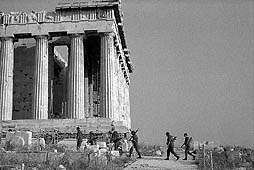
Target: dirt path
(158,163)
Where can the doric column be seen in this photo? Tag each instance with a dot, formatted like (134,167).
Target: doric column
(118,89)
(76,91)
(114,83)
(107,51)
(128,107)
(6,78)
(40,96)
(86,84)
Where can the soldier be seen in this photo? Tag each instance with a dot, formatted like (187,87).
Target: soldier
(79,138)
(92,138)
(186,143)
(170,144)
(134,140)
(115,139)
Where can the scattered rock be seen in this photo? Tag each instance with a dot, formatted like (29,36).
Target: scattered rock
(115,153)
(26,135)
(158,153)
(61,167)
(16,142)
(102,144)
(39,143)
(2,150)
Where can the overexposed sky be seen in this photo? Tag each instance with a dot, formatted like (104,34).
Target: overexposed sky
(193,67)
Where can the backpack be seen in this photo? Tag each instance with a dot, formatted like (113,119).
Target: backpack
(191,143)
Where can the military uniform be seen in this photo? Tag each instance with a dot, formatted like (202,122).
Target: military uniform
(187,148)
(79,138)
(134,140)
(170,143)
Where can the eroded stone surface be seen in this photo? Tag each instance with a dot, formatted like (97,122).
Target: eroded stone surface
(158,163)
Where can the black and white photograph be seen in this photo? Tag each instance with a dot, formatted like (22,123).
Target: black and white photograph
(126,84)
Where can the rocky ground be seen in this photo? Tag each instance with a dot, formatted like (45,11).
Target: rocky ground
(158,163)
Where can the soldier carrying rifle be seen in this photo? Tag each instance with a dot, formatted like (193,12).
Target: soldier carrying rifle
(134,140)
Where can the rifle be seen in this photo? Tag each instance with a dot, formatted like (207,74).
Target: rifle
(133,134)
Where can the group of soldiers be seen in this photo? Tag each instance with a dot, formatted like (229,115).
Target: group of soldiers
(187,144)
(115,139)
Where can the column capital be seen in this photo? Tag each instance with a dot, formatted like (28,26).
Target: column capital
(78,35)
(112,34)
(6,38)
(41,36)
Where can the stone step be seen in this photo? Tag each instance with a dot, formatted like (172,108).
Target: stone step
(64,125)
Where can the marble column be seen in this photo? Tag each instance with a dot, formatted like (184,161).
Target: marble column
(40,96)
(107,51)
(6,78)
(114,83)
(86,84)
(76,79)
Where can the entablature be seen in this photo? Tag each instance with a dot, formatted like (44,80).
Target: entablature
(68,18)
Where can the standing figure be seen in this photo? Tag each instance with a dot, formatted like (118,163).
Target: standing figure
(115,139)
(79,138)
(134,140)
(92,138)
(187,141)
(170,144)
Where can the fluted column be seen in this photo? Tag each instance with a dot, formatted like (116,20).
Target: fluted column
(6,78)
(40,95)
(76,90)
(118,89)
(86,83)
(107,51)
(114,84)
(128,107)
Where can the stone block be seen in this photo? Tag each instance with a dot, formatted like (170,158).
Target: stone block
(125,146)
(38,143)
(39,157)
(115,153)
(71,144)
(54,158)
(2,150)
(101,144)
(9,135)
(93,148)
(103,151)
(26,135)
(158,153)
(16,142)
(61,167)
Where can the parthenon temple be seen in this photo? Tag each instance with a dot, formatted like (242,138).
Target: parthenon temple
(66,68)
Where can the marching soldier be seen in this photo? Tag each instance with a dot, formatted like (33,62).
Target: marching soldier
(187,145)
(79,138)
(170,144)
(134,140)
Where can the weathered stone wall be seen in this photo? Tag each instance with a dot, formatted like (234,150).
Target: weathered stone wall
(23,82)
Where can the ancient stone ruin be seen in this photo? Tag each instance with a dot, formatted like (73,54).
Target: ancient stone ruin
(63,69)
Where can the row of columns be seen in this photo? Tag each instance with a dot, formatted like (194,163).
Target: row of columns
(77,93)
